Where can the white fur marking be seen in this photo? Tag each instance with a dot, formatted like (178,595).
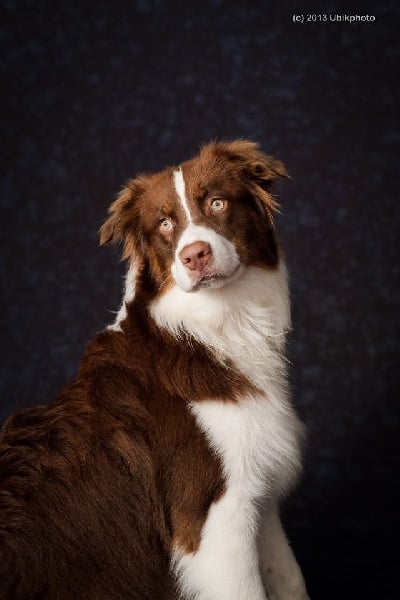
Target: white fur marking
(257,439)
(181,191)
(129,294)
(225,258)
(225,567)
(245,320)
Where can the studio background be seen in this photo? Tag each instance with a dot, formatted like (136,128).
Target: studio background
(96,92)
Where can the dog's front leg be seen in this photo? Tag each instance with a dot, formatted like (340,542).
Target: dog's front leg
(281,574)
(225,566)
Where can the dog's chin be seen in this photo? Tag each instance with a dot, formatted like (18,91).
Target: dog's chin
(215,280)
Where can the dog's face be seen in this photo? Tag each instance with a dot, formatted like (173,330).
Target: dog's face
(199,225)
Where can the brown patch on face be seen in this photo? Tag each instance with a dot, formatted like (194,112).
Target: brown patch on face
(136,219)
(238,174)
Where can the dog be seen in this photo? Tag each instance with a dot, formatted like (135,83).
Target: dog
(157,473)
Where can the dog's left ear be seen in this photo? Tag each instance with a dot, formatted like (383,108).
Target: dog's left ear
(258,169)
(256,165)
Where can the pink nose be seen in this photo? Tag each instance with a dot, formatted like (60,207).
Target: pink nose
(196,256)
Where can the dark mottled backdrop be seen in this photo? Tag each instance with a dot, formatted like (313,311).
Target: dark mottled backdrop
(96,91)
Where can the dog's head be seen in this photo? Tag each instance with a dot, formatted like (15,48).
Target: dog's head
(199,225)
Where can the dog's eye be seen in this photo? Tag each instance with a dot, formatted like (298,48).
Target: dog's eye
(166,225)
(218,204)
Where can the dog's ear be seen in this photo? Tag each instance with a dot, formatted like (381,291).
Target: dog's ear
(113,228)
(258,169)
(122,224)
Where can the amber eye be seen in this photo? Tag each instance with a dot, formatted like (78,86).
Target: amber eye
(166,225)
(218,204)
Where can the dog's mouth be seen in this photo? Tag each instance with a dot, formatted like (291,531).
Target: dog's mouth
(216,280)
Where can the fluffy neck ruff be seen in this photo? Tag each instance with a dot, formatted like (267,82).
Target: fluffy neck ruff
(245,321)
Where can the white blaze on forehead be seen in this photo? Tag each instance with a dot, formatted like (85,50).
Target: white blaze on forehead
(181,191)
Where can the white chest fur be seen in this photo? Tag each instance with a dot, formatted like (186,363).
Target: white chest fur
(256,436)
(257,439)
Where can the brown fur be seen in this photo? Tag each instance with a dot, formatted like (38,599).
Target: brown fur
(96,488)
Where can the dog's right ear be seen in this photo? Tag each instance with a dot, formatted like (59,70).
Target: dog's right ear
(122,224)
(120,212)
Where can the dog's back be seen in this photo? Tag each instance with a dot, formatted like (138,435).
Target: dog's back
(95,487)
(78,501)
(146,478)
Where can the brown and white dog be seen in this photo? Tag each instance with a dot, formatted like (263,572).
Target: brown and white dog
(157,473)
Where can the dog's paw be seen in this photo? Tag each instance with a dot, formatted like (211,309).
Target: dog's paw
(289,595)
(287,591)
